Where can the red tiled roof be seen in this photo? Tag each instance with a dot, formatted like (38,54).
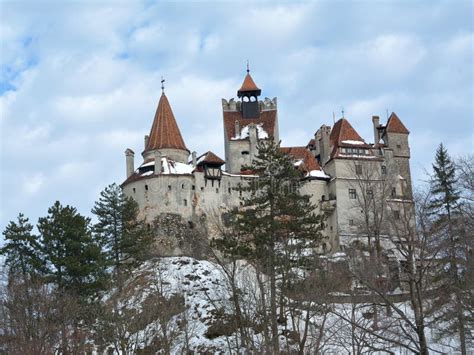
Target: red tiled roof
(248,84)
(164,132)
(210,158)
(395,125)
(301,153)
(267,119)
(343,131)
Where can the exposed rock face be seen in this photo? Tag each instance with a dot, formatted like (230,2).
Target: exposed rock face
(175,237)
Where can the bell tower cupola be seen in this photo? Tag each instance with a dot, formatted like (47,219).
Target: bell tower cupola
(249,93)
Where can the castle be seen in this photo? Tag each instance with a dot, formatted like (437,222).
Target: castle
(336,165)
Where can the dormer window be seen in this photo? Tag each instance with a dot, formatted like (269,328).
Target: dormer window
(212,172)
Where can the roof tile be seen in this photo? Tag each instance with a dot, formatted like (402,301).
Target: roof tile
(395,125)
(165,132)
(301,153)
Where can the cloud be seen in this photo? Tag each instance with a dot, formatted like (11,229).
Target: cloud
(33,183)
(80,81)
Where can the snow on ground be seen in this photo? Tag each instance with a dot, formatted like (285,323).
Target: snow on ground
(204,287)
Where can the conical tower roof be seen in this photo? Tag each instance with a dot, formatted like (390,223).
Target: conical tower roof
(165,132)
(248,86)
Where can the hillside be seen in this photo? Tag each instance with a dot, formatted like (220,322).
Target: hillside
(184,304)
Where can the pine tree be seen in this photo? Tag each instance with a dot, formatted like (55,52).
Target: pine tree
(275,227)
(448,221)
(22,250)
(125,237)
(443,184)
(75,262)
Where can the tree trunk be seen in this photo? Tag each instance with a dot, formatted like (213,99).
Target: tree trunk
(273,309)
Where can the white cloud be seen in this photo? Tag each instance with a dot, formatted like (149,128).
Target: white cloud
(87,79)
(33,183)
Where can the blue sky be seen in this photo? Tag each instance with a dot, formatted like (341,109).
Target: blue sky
(80,81)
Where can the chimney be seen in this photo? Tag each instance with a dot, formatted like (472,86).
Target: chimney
(253,140)
(237,129)
(324,144)
(146,140)
(130,157)
(376,123)
(194,160)
(157,162)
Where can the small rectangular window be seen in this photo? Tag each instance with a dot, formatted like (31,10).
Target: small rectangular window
(359,169)
(352,194)
(394,192)
(169,187)
(185,202)
(396,214)
(370,192)
(134,190)
(384,170)
(193,187)
(146,187)
(351,222)
(399,146)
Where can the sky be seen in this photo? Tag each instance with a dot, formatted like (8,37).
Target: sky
(80,81)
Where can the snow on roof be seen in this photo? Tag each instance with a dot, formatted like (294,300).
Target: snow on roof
(244,132)
(348,141)
(357,156)
(169,167)
(318,174)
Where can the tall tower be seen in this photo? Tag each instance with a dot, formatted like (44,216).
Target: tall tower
(245,123)
(395,136)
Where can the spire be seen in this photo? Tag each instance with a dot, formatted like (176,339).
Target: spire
(164,131)
(248,88)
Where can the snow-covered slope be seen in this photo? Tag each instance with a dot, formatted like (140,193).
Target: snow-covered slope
(198,316)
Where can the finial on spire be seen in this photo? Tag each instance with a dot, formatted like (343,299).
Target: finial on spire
(342,111)
(248,67)
(162,85)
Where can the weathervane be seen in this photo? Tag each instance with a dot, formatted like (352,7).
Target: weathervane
(248,67)
(162,85)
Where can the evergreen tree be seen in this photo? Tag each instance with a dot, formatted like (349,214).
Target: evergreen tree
(276,227)
(451,301)
(22,250)
(445,195)
(75,262)
(125,237)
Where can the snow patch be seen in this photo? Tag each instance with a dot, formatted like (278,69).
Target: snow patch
(352,142)
(244,132)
